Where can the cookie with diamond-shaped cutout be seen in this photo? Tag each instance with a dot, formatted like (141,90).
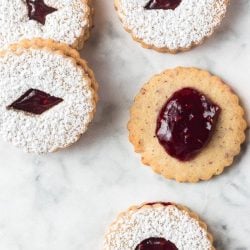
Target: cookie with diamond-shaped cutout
(48,95)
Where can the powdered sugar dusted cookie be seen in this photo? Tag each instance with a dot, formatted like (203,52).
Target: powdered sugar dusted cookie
(187,124)
(171,25)
(48,96)
(158,226)
(65,21)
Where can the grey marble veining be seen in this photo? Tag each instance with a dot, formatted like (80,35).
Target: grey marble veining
(64,201)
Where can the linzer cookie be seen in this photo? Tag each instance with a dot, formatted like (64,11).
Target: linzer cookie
(171,25)
(60,20)
(48,96)
(158,226)
(187,124)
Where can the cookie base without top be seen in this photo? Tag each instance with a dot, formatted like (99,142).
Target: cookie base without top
(224,145)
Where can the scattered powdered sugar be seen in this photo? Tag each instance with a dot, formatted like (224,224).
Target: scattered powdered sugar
(167,222)
(64,25)
(56,75)
(189,23)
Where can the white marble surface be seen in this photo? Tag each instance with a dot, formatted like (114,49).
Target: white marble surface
(64,201)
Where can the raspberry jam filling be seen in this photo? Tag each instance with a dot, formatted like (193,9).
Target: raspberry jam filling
(163,4)
(35,102)
(38,10)
(160,202)
(186,123)
(156,244)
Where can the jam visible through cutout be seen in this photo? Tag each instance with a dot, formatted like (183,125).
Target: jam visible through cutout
(163,4)
(186,123)
(35,102)
(160,202)
(38,10)
(156,244)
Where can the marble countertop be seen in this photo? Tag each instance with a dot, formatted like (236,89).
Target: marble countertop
(64,201)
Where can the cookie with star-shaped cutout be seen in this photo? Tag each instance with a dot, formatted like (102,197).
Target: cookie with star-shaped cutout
(48,95)
(60,20)
(171,25)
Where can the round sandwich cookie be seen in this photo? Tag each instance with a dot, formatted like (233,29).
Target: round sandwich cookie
(171,25)
(187,124)
(63,21)
(158,226)
(48,95)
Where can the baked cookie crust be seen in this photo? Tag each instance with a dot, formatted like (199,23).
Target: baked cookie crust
(85,34)
(226,140)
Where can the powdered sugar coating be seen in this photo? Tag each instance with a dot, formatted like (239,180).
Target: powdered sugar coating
(66,25)
(181,28)
(56,75)
(167,222)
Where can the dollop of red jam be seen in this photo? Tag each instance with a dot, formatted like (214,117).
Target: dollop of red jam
(186,123)
(35,102)
(38,10)
(156,244)
(163,4)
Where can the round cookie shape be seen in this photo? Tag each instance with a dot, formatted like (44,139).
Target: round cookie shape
(157,226)
(48,96)
(63,21)
(224,142)
(171,26)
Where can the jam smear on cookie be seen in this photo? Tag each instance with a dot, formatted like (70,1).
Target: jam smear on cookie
(186,123)
(156,244)
(38,10)
(35,102)
(163,4)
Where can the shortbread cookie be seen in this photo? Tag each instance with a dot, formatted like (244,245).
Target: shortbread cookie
(187,124)
(171,25)
(60,20)
(48,95)
(158,226)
